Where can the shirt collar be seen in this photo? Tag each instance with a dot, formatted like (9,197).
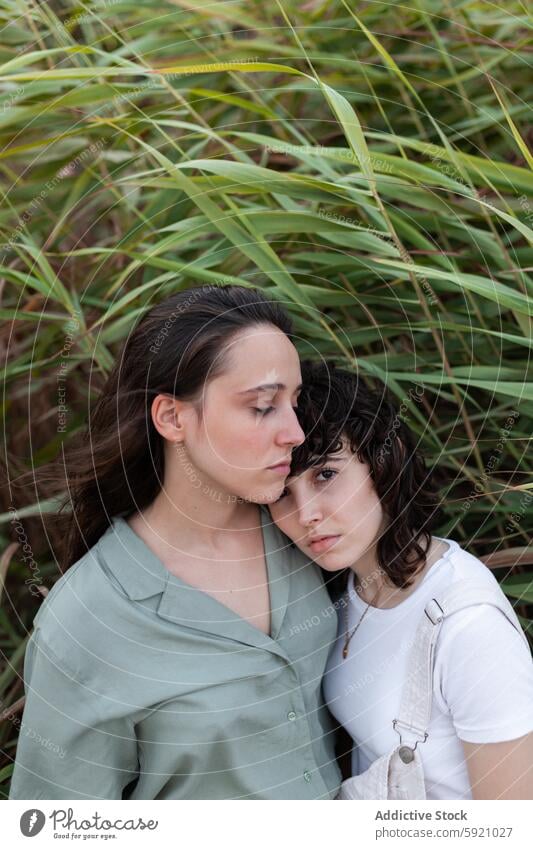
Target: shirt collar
(141,574)
(138,570)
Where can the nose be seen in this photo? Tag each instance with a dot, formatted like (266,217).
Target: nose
(291,433)
(307,509)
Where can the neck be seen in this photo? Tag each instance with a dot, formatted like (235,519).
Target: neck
(374,587)
(203,521)
(192,513)
(369,577)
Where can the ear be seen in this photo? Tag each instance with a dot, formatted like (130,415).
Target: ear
(170,417)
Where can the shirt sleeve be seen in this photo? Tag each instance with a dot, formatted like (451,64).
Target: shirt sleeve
(69,747)
(484,676)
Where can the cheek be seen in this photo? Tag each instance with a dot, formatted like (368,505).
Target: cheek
(285,522)
(250,444)
(229,428)
(369,512)
(278,515)
(375,510)
(362,506)
(234,436)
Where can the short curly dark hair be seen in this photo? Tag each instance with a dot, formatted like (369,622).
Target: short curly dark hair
(335,403)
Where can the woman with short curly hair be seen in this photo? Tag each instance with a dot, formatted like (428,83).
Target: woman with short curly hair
(360,502)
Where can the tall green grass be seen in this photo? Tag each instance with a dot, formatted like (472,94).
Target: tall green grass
(369,165)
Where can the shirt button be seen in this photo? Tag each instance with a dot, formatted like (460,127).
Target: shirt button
(307,775)
(291,715)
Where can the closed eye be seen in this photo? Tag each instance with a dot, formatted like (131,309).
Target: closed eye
(264,411)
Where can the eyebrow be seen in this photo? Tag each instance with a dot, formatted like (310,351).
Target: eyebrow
(323,462)
(273,386)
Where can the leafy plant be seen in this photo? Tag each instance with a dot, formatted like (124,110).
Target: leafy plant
(370,170)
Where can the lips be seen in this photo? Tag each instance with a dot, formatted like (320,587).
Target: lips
(283,466)
(322,543)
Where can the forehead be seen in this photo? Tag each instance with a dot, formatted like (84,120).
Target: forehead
(261,358)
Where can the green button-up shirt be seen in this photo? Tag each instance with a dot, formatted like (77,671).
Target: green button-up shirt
(140,686)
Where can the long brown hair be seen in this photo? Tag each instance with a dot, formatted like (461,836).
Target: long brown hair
(116,465)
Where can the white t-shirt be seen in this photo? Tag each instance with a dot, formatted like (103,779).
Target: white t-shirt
(483,679)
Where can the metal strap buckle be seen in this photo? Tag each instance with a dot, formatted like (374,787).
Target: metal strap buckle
(432,613)
(419,731)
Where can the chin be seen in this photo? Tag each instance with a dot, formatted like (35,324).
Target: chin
(265,497)
(329,565)
(334,561)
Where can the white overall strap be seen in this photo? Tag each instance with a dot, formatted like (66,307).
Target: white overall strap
(417,692)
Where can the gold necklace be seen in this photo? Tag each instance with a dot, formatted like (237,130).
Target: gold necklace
(345,614)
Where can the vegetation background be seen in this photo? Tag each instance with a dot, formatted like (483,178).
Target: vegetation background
(366,163)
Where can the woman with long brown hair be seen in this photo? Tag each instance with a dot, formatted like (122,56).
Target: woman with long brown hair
(163,663)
